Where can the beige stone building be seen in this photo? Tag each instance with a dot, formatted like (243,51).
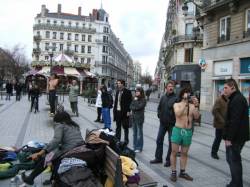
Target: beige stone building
(226,47)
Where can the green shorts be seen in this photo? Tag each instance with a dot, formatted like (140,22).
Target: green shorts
(181,136)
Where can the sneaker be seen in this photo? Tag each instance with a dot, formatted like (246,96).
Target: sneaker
(215,156)
(51,114)
(185,176)
(26,179)
(167,164)
(137,151)
(155,161)
(173,177)
(97,120)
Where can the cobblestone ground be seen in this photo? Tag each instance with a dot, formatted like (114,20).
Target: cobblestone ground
(19,126)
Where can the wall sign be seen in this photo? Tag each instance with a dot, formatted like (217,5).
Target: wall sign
(223,68)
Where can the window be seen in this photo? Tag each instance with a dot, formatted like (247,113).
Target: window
(90,25)
(248,20)
(83,37)
(68,46)
(55,22)
(61,35)
(82,60)
(62,23)
(48,21)
(69,24)
(88,60)
(105,39)
(61,47)
(69,36)
(189,29)
(189,55)
(76,48)
(54,35)
(104,70)
(89,38)
(225,28)
(46,58)
(75,58)
(104,59)
(83,49)
(83,25)
(46,46)
(104,49)
(54,47)
(76,37)
(89,49)
(39,21)
(191,8)
(47,34)
(38,33)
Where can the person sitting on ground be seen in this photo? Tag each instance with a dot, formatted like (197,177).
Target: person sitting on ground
(185,111)
(67,135)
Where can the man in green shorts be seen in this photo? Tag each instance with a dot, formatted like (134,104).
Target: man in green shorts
(185,111)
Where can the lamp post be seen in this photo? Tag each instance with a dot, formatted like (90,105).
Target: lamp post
(51,54)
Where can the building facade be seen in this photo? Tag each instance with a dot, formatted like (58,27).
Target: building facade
(226,45)
(137,73)
(181,47)
(87,39)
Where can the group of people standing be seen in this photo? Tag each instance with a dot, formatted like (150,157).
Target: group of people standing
(126,110)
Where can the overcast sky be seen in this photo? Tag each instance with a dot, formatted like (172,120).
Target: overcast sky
(139,24)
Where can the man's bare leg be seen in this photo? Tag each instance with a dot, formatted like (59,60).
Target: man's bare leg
(175,149)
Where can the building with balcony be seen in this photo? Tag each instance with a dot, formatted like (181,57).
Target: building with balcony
(181,49)
(88,40)
(226,44)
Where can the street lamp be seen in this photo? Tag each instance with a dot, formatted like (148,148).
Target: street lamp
(51,54)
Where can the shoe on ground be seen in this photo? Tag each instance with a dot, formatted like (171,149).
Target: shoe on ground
(26,179)
(165,186)
(155,161)
(167,164)
(186,176)
(97,120)
(215,156)
(137,151)
(47,182)
(173,177)
(101,121)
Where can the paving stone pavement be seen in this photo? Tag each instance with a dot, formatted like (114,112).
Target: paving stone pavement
(18,126)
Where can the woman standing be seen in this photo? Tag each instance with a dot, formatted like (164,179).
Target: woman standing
(137,107)
(73,97)
(107,102)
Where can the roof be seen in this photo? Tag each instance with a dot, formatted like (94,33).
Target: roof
(65,16)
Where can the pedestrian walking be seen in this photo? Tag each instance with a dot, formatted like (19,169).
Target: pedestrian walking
(29,88)
(219,112)
(137,107)
(165,113)
(148,92)
(34,94)
(73,97)
(121,110)
(18,89)
(236,131)
(52,86)
(9,90)
(98,105)
(185,112)
(107,104)
(67,135)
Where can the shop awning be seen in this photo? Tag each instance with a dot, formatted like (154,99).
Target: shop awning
(44,71)
(89,74)
(71,71)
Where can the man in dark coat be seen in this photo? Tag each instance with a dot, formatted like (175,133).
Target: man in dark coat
(236,131)
(167,120)
(9,90)
(123,98)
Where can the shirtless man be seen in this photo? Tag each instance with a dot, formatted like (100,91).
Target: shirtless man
(52,84)
(185,112)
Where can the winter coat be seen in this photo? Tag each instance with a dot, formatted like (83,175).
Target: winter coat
(165,111)
(138,108)
(65,138)
(126,99)
(9,88)
(106,100)
(99,99)
(237,121)
(219,112)
(73,93)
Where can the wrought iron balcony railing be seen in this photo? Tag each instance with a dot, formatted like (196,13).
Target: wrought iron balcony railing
(246,34)
(223,38)
(187,38)
(211,4)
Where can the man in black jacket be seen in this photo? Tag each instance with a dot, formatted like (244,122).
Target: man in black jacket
(236,131)
(167,120)
(123,98)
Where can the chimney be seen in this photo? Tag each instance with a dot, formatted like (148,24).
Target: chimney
(43,12)
(95,13)
(59,8)
(79,11)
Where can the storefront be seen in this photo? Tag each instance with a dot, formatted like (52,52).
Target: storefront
(222,70)
(245,78)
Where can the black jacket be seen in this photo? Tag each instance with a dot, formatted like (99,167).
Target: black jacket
(105,100)
(126,99)
(237,121)
(165,111)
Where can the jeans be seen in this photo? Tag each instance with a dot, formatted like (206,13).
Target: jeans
(52,101)
(234,160)
(8,96)
(121,122)
(34,103)
(138,135)
(159,141)
(106,117)
(217,140)
(74,107)
(18,96)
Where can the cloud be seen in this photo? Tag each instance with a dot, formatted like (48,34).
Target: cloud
(139,24)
